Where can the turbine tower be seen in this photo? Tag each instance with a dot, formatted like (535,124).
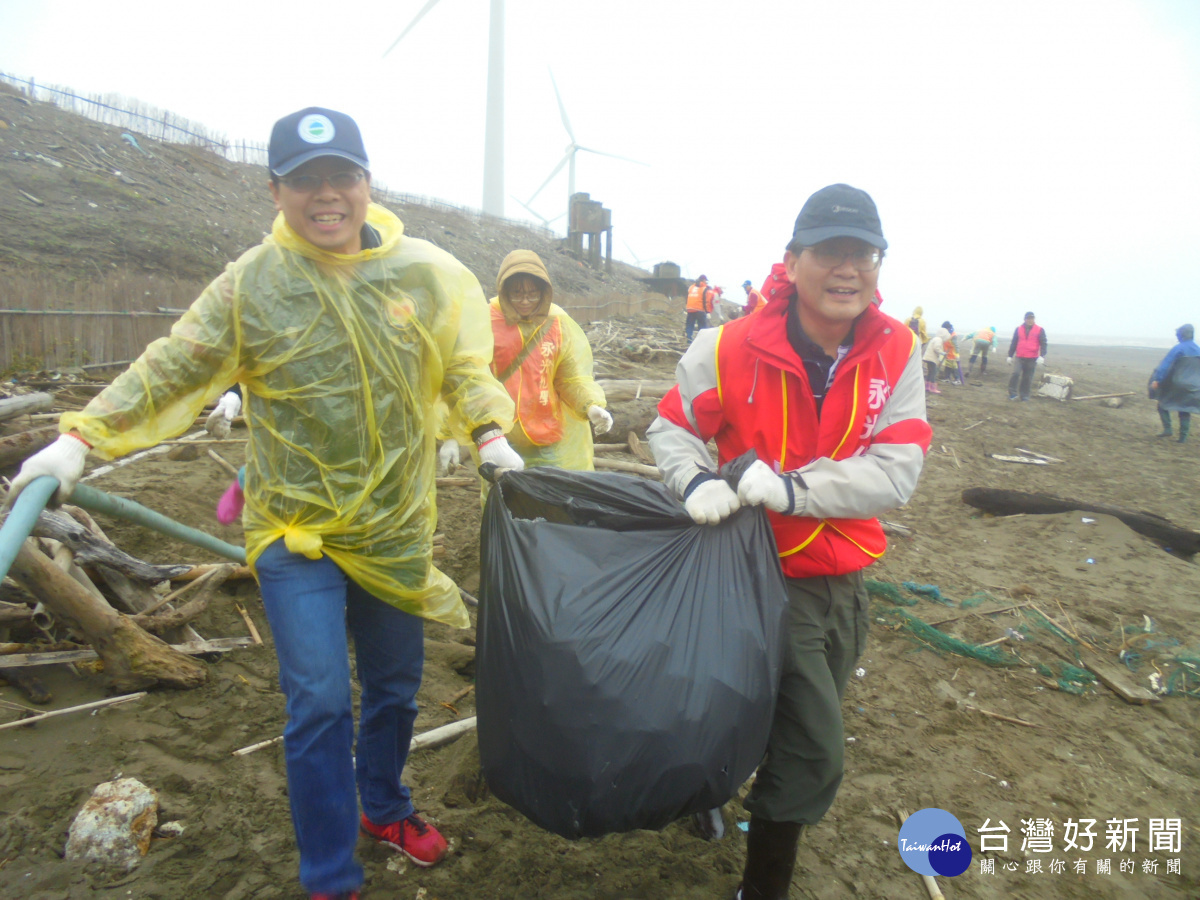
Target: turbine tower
(493,135)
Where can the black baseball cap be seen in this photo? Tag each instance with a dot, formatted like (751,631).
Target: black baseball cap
(312,133)
(839,211)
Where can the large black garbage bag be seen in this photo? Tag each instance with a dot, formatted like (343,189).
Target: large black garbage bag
(627,659)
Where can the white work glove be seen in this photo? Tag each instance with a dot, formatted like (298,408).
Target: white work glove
(494,448)
(711,502)
(600,419)
(1010,360)
(760,486)
(62,460)
(1041,360)
(448,457)
(220,419)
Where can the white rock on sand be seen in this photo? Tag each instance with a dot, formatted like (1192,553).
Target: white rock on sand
(115,825)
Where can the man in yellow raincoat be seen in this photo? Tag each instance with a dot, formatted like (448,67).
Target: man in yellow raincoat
(344,335)
(544,360)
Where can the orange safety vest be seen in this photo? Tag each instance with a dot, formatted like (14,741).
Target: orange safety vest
(699,298)
(754,301)
(539,409)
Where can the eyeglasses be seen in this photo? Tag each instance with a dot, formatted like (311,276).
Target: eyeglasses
(525,295)
(864,259)
(310,184)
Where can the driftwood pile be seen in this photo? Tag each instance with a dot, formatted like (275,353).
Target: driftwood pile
(657,339)
(72,596)
(86,599)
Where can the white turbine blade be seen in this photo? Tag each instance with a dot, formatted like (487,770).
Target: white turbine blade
(615,156)
(411,25)
(529,209)
(562,110)
(562,162)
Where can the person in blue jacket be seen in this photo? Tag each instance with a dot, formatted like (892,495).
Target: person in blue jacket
(1176,383)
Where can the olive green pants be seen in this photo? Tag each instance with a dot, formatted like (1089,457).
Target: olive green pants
(827,625)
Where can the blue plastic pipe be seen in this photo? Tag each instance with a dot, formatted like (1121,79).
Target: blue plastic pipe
(22,517)
(98,501)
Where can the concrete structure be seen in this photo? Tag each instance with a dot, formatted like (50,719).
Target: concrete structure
(588,218)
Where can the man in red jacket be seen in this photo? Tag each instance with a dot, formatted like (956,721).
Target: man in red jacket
(828,391)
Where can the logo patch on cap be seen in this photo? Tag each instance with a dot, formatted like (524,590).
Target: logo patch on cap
(315,129)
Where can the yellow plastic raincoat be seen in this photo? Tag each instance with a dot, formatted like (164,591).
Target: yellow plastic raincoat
(343,360)
(553,385)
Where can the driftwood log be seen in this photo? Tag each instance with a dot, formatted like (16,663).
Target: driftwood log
(1007,503)
(11,613)
(205,589)
(135,595)
(12,407)
(629,389)
(16,448)
(619,465)
(132,658)
(89,549)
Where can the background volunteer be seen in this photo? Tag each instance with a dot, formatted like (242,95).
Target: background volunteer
(754,299)
(1028,348)
(544,360)
(343,334)
(700,298)
(985,342)
(1175,383)
(826,389)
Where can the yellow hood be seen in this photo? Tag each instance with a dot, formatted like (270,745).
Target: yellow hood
(523,262)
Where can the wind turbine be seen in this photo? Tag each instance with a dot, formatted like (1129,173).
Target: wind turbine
(572,148)
(493,131)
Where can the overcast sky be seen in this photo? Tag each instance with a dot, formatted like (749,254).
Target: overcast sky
(1028,154)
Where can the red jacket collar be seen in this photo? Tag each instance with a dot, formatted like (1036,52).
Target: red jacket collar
(766,330)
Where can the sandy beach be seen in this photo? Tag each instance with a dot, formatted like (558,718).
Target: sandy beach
(916,719)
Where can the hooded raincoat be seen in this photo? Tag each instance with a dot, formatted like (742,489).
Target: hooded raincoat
(343,359)
(917,323)
(935,351)
(545,362)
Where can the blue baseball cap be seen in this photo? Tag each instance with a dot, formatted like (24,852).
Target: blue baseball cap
(839,211)
(312,133)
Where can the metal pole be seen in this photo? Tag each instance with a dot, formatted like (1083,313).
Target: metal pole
(493,137)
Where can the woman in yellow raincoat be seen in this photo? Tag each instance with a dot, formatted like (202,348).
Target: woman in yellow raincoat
(345,336)
(543,358)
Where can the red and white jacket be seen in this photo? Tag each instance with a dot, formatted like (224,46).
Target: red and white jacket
(744,386)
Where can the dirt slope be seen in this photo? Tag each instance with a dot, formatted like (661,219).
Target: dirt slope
(103,204)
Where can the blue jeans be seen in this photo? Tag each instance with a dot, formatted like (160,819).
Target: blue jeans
(309,604)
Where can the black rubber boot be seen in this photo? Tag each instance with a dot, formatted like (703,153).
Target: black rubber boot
(983,366)
(1185,426)
(770,859)
(1166,420)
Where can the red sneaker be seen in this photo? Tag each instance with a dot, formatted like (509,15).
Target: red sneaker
(414,837)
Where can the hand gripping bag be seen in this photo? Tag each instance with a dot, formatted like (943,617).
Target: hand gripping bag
(627,659)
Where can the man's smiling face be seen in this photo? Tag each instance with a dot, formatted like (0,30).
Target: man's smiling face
(327,216)
(831,294)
